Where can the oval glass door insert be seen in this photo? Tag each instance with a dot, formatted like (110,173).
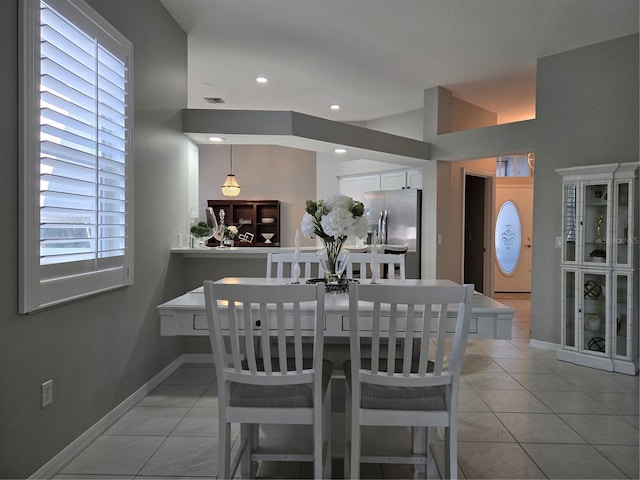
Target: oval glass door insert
(508,237)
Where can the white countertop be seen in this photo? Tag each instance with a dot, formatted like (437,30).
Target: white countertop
(236,252)
(249,252)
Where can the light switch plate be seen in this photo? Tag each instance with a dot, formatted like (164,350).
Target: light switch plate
(559,242)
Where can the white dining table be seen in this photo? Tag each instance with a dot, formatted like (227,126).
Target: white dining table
(186,316)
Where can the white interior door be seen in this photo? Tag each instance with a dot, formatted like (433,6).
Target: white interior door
(513,234)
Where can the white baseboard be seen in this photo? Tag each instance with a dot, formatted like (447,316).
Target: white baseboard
(53,466)
(543,345)
(188,358)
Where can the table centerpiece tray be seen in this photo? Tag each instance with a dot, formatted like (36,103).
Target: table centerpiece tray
(341,287)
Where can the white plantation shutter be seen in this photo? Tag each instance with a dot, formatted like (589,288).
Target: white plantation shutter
(80,90)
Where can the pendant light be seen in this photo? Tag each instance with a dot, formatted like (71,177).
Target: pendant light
(230,188)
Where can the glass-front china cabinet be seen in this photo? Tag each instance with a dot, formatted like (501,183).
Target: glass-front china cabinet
(599,266)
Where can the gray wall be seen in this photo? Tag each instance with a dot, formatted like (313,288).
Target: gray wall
(587,113)
(99,350)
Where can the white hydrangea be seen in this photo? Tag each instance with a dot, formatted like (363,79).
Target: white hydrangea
(231,231)
(333,218)
(337,201)
(359,227)
(308,225)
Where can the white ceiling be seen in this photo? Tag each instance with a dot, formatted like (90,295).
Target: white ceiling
(376,57)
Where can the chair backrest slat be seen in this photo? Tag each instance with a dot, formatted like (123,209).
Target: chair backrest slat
(407,355)
(406,311)
(235,338)
(297,338)
(425,341)
(375,339)
(282,341)
(442,328)
(393,332)
(248,339)
(265,339)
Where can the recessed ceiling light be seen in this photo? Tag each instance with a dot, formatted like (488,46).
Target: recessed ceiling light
(340,150)
(262,79)
(216,139)
(334,106)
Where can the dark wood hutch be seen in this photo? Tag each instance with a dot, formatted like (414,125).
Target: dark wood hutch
(260,218)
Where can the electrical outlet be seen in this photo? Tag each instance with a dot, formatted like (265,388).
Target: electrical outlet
(559,242)
(47,393)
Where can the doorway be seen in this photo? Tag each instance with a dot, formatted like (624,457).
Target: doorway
(513,234)
(477,199)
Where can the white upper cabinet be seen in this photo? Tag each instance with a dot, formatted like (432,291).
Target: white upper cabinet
(393,180)
(370,183)
(401,179)
(355,186)
(351,187)
(414,178)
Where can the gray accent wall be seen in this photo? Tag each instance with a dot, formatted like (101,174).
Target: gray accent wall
(587,114)
(99,350)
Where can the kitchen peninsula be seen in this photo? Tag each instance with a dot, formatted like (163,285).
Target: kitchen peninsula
(236,252)
(212,263)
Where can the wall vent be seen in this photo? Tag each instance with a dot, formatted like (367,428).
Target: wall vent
(214,99)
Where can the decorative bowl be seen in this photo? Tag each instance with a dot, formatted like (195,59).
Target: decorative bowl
(267,237)
(268,220)
(592,322)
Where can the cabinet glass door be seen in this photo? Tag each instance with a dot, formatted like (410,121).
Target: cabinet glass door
(594,313)
(622,315)
(621,244)
(569,308)
(570,221)
(594,233)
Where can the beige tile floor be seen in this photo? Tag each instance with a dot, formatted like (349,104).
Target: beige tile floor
(523,414)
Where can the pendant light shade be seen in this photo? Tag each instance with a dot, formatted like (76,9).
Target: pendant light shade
(230,188)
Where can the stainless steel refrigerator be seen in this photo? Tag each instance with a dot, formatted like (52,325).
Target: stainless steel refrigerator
(396,217)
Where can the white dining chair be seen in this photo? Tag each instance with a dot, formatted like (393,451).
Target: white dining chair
(363,263)
(393,249)
(280,265)
(271,382)
(414,386)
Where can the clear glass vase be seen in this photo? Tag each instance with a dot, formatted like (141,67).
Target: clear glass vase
(201,241)
(333,260)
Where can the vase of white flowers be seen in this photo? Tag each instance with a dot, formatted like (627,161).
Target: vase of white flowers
(229,236)
(332,220)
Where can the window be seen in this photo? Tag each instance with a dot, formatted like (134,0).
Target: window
(508,237)
(515,166)
(76,230)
